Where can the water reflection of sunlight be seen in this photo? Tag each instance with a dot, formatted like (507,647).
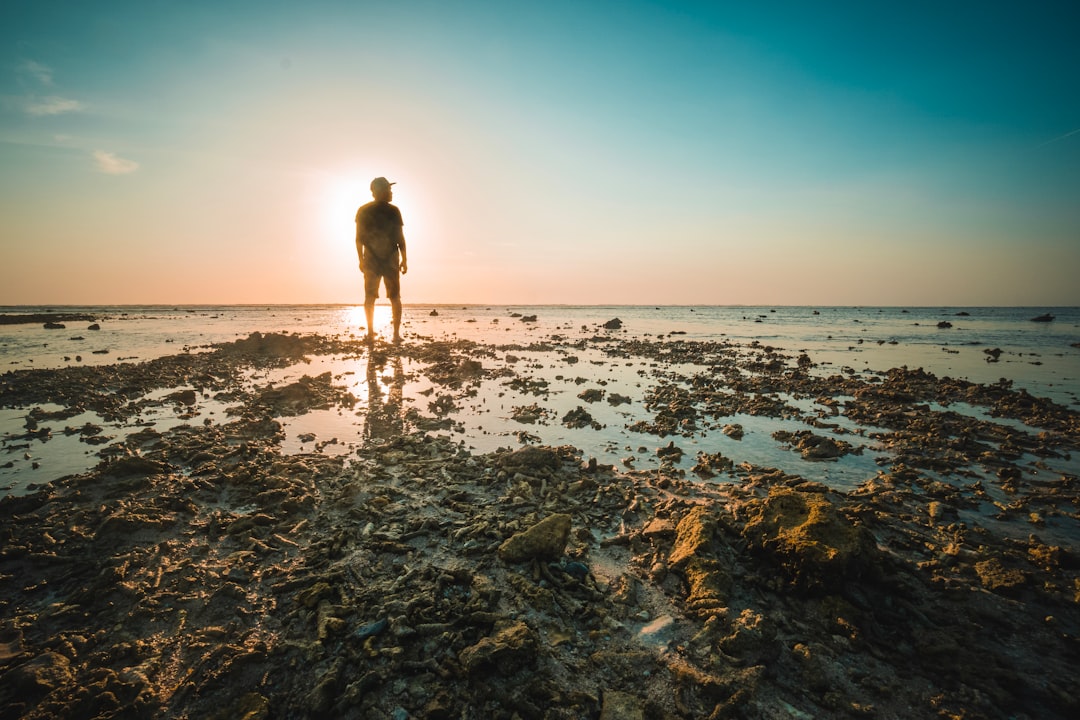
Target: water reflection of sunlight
(355,319)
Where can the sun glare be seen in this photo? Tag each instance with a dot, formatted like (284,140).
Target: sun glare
(356,322)
(340,197)
(330,229)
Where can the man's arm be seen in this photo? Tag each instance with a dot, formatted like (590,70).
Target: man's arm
(404,266)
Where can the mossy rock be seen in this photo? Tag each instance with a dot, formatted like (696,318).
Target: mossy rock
(804,534)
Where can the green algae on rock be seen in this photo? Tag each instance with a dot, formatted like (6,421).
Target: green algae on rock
(804,534)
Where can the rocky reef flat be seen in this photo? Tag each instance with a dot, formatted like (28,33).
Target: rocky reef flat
(201,572)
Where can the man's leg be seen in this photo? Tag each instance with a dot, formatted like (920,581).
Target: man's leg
(369,312)
(371,292)
(395,305)
(393,291)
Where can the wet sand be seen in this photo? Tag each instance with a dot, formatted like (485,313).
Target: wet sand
(202,572)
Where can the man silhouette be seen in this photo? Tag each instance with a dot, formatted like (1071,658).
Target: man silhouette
(380,245)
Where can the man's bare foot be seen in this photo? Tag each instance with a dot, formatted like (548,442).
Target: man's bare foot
(397,339)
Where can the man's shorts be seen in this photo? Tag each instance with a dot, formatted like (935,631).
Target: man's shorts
(392,280)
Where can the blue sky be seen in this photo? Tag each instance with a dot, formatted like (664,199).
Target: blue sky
(630,152)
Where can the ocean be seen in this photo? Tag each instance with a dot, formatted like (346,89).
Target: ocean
(1039,356)
(983,345)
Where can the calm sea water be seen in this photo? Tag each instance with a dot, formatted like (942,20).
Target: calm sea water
(1037,356)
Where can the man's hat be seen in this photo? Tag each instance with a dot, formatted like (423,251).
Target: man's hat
(380,183)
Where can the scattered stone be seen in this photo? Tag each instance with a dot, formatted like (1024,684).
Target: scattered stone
(545,540)
(579,418)
(591,395)
(198,571)
(997,578)
(733,431)
(621,706)
(803,533)
(814,447)
(531,458)
(505,652)
(670,452)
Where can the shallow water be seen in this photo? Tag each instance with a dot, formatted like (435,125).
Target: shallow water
(1035,356)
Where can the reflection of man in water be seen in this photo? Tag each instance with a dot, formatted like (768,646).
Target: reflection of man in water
(384,417)
(380,244)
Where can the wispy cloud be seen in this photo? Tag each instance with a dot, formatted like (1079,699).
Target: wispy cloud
(52,105)
(1059,137)
(112,164)
(42,73)
(30,74)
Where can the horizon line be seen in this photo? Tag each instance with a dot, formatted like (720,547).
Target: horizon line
(512,305)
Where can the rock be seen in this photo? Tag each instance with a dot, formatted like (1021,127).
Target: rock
(806,536)
(660,631)
(134,465)
(591,395)
(659,528)
(813,447)
(307,393)
(187,397)
(579,418)
(41,675)
(709,582)
(434,313)
(733,431)
(252,706)
(545,540)
(694,534)
(753,638)
(670,452)
(621,706)
(709,464)
(467,368)
(613,324)
(95,326)
(11,645)
(310,596)
(944,324)
(708,579)
(997,578)
(532,458)
(505,652)
(372,629)
(54,326)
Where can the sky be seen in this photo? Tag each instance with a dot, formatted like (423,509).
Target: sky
(677,153)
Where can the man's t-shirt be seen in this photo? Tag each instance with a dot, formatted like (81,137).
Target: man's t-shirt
(380,226)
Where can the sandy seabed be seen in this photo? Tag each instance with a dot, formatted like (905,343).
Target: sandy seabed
(200,572)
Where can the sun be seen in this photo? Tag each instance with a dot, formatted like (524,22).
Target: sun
(327,232)
(339,199)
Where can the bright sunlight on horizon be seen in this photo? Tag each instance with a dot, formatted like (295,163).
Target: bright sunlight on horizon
(563,153)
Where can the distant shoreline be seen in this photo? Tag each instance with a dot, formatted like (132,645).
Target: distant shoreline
(48,309)
(35,318)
